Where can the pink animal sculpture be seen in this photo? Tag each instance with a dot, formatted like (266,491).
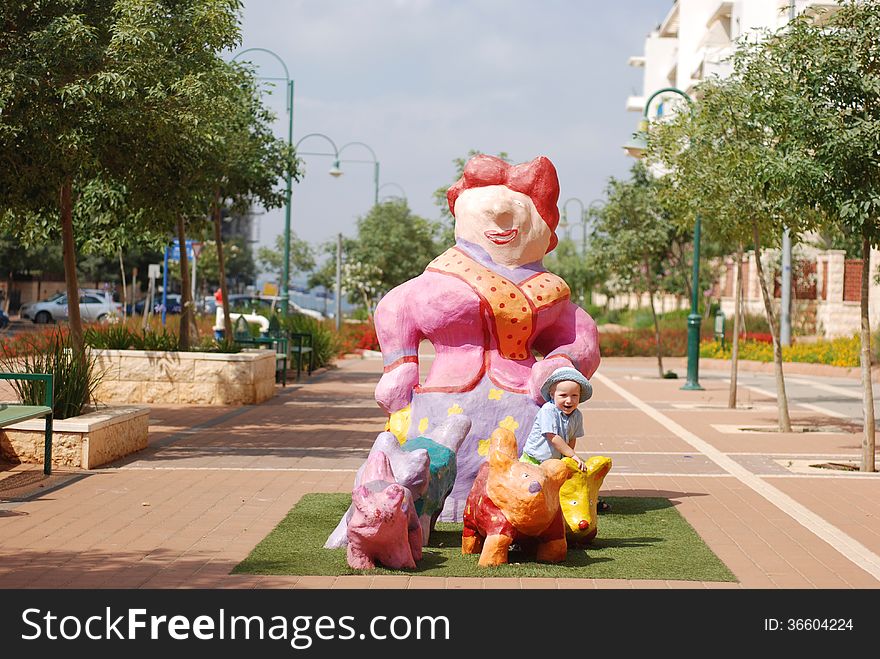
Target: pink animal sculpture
(512,501)
(578,497)
(411,469)
(384,528)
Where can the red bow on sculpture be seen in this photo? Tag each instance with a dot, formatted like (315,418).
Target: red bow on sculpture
(537,179)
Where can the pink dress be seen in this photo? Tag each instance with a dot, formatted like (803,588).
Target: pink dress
(483,320)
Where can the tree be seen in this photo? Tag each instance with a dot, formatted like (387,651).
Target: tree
(571,265)
(239,262)
(826,81)
(248,161)
(725,163)
(634,238)
(117,86)
(393,240)
(271,260)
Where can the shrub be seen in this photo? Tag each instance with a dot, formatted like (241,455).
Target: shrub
(324,340)
(111,337)
(74,379)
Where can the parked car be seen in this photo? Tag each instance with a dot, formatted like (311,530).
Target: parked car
(267,304)
(94,305)
(172,304)
(4,319)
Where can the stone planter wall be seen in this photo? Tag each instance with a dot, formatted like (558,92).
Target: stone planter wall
(86,441)
(194,378)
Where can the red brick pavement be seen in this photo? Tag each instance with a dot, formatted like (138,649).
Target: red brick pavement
(215,481)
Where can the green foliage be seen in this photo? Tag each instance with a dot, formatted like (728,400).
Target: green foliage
(238,262)
(123,337)
(392,246)
(636,243)
(302,258)
(111,337)
(75,376)
(566,262)
(163,340)
(324,339)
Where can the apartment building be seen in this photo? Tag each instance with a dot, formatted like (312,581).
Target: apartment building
(692,42)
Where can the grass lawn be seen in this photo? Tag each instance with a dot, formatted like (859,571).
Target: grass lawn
(641,538)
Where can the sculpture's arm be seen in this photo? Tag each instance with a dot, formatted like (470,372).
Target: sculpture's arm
(399,336)
(572,340)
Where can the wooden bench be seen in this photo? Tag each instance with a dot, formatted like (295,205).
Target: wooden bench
(11,413)
(276,339)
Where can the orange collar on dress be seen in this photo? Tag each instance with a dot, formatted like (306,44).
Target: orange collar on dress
(514,306)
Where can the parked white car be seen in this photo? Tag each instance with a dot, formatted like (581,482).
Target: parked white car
(94,305)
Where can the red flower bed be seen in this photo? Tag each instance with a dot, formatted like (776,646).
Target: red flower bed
(356,338)
(28,343)
(760,337)
(642,343)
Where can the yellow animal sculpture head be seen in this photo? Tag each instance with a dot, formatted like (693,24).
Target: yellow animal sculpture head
(578,497)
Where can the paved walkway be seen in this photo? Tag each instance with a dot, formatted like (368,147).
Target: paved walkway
(215,480)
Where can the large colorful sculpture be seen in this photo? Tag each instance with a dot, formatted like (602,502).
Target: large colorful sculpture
(512,501)
(578,497)
(383,528)
(486,305)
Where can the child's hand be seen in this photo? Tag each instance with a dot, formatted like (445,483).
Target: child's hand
(582,466)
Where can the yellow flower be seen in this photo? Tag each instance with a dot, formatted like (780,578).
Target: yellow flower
(508,423)
(483,447)
(495,394)
(455,409)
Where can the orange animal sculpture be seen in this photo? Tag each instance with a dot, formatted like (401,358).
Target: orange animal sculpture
(578,497)
(514,501)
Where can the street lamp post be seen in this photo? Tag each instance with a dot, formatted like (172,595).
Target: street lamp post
(564,222)
(636,147)
(402,191)
(375,162)
(285,293)
(590,209)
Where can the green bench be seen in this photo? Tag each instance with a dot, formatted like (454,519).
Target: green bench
(11,413)
(301,345)
(276,339)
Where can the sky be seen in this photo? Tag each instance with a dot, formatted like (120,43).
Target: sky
(423,82)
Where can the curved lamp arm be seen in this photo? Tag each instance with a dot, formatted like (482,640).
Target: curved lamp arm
(375,162)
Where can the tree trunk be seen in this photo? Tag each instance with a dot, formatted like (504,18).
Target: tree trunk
(124,290)
(69,251)
(781,398)
(221,267)
(656,323)
(185,302)
(737,306)
(865,359)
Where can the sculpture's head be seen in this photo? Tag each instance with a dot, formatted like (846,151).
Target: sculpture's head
(509,210)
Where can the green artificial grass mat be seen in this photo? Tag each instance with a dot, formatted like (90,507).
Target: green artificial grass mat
(641,538)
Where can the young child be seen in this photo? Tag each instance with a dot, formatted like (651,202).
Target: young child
(559,422)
